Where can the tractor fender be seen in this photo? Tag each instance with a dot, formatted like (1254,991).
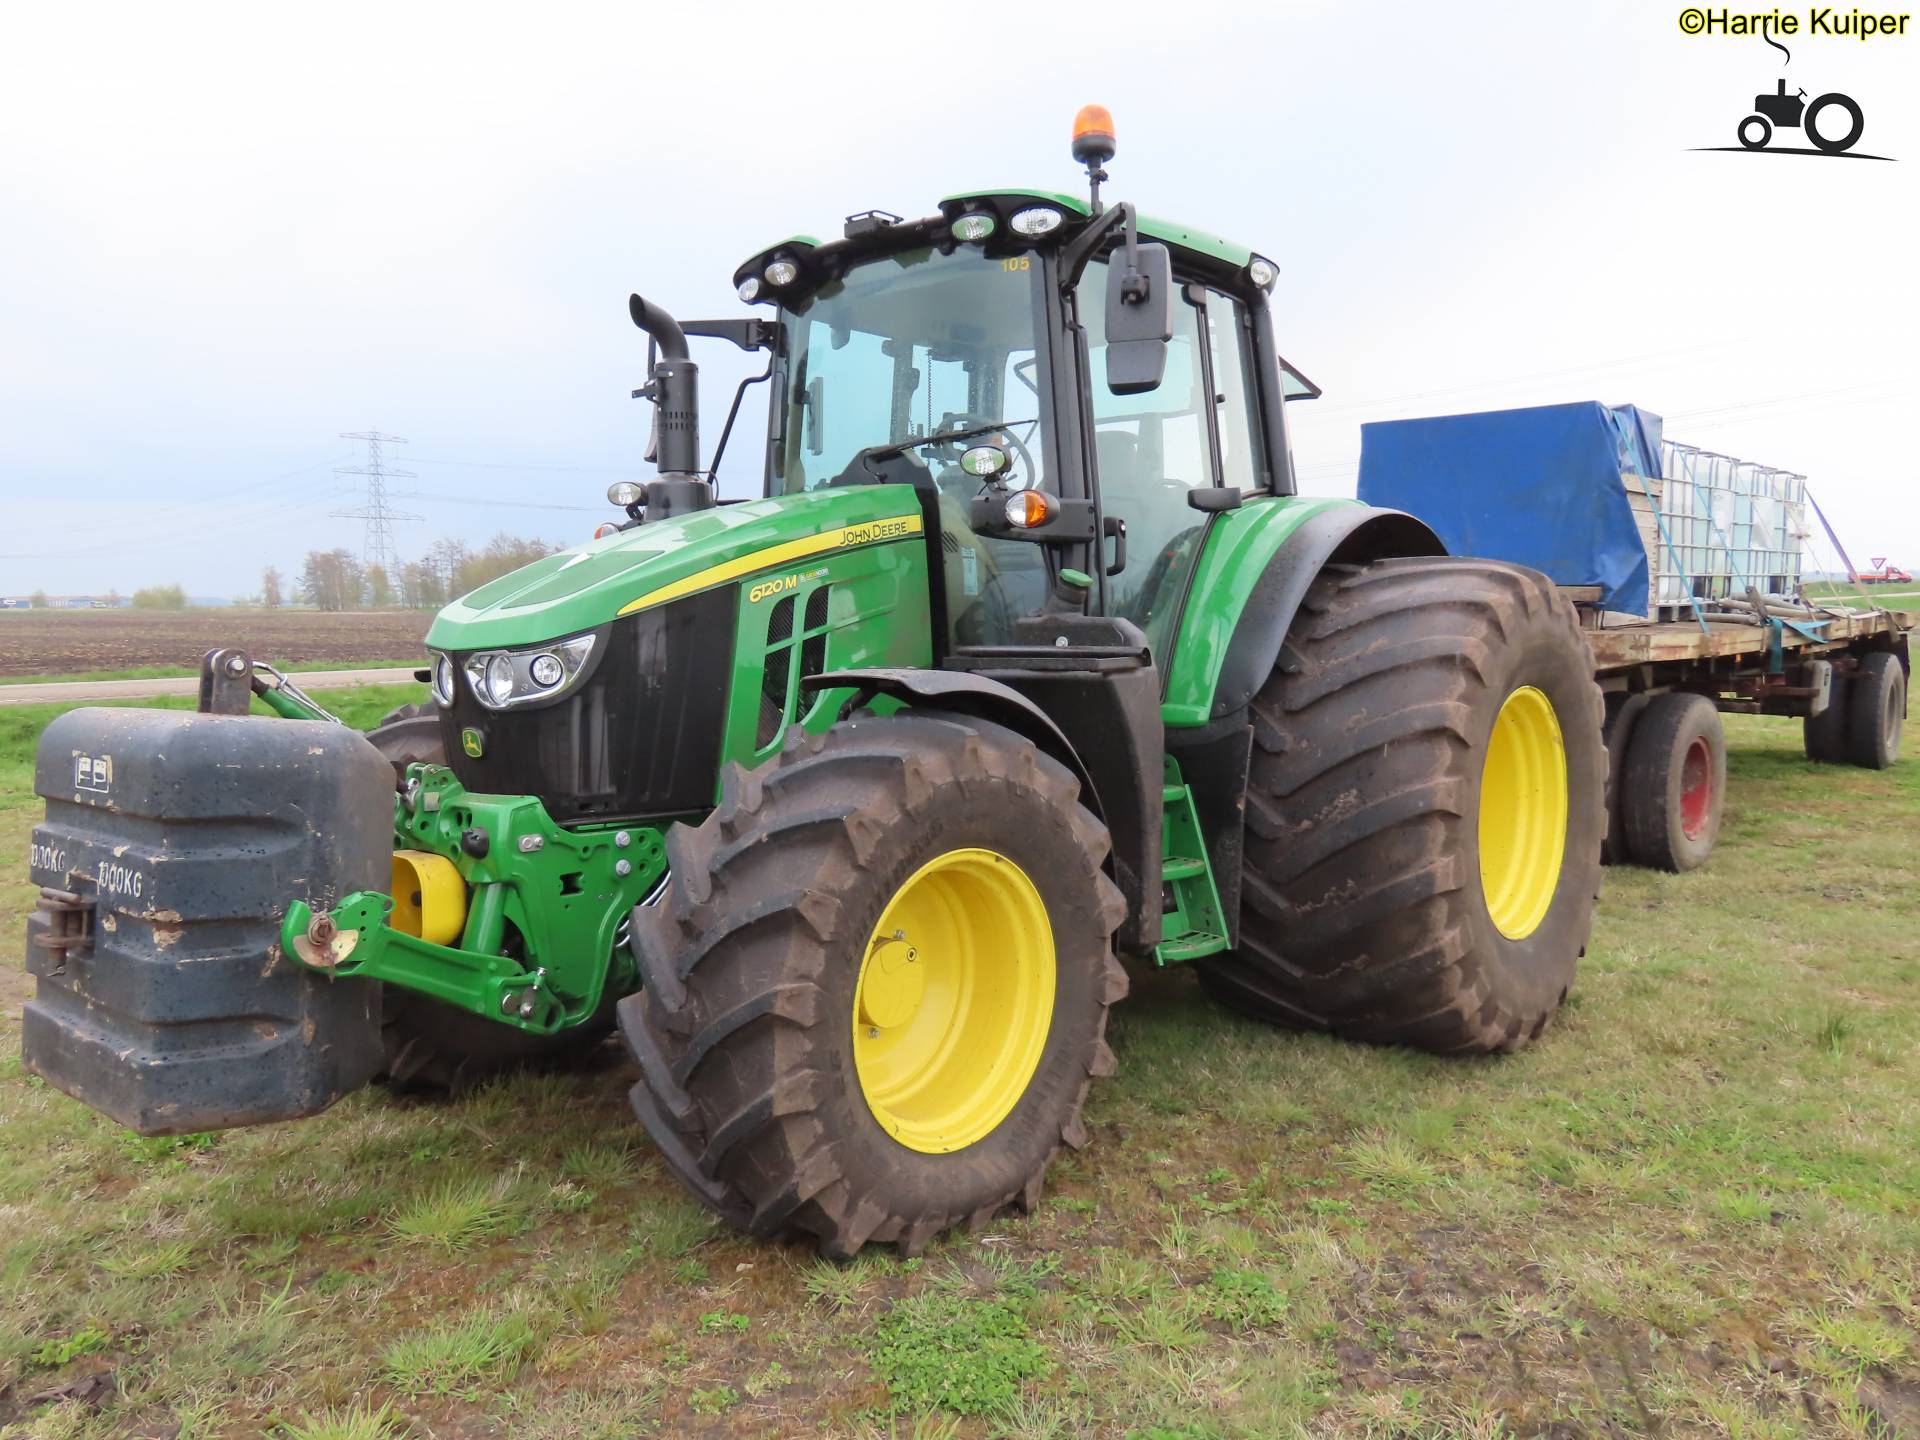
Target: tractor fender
(1341,535)
(964,694)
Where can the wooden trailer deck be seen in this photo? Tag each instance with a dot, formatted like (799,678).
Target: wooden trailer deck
(1620,646)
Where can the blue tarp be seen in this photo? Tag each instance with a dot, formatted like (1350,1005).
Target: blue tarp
(1540,487)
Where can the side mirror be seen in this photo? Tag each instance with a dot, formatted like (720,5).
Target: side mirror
(1139,319)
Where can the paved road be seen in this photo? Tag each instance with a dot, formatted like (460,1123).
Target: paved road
(79,692)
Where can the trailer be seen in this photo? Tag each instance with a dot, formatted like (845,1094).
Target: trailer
(1685,568)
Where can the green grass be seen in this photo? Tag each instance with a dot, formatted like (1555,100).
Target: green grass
(1693,1208)
(1892,597)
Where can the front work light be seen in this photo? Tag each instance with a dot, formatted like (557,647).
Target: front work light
(983,461)
(749,290)
(781,272)
(626,493)
(1262,271)
(1036,220)
(974,228)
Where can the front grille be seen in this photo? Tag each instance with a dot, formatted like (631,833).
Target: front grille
(639,737)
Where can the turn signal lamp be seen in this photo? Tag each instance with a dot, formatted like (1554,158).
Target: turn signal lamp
(1093,140)
(604,529)
(1027,509)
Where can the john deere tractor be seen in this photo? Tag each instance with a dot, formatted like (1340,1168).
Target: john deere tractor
(850,805)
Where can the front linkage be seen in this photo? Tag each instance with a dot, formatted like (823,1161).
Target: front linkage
(536,945)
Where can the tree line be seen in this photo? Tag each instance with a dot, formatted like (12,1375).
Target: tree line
(337,580)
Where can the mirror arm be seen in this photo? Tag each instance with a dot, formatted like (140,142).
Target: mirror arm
(1079,250)
(713,470)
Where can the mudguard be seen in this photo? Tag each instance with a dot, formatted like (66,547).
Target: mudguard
(1256,569)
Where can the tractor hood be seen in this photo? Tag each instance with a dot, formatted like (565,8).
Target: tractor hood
(651,564)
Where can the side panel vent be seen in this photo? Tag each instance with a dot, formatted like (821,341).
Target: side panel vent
(776,676)
(813,649)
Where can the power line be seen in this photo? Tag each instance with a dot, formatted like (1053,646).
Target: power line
(515,465)
(377,548)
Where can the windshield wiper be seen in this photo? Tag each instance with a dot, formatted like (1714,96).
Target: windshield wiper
(938,437)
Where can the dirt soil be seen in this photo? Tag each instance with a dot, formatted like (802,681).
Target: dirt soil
(57,642)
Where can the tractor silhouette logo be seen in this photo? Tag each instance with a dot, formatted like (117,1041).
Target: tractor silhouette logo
(1792,112)
(1832,123)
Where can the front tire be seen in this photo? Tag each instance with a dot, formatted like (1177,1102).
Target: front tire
(1424,811)
(876,990)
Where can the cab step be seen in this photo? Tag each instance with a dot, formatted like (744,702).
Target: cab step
(1193,923)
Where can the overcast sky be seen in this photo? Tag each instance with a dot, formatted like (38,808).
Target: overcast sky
(228,235)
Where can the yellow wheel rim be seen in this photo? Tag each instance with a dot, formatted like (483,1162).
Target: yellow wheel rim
(1523,813)
(953,1001)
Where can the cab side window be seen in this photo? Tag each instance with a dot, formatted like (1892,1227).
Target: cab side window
(1198,430)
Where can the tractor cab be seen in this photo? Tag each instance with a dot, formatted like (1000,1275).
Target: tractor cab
(967,354)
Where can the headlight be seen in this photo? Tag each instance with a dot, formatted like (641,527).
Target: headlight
(443,679)
(504,678)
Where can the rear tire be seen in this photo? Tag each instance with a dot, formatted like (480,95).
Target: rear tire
(1674,787)
(1369,897)
(436,1047)
(1877,711)
(756,1005)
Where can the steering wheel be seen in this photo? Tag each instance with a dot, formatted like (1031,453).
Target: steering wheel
(967,420)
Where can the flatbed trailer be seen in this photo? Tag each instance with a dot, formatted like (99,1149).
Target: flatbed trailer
(1843,672)
(1685,566)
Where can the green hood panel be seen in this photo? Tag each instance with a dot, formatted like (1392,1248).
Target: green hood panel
(650,564)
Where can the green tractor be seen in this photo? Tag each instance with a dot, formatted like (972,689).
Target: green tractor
(846,804)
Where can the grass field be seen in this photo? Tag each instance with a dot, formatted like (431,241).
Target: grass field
(1893,597)
(1692,1209)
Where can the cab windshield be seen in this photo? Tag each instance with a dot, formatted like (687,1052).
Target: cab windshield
(905,346)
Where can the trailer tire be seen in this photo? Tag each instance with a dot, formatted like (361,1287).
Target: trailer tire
(1673,789)
(1623,713)
(1825,734)
(797,1073)
(1877,709)
(1408,692)
(436,1047)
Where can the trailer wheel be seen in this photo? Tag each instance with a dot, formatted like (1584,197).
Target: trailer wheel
(1424,810)
(1623,713)
(431,1046)
(875,992)
(1673,789)
(1877,710)
(1825,734)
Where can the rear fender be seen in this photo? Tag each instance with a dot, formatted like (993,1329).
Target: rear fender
(1252,576)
